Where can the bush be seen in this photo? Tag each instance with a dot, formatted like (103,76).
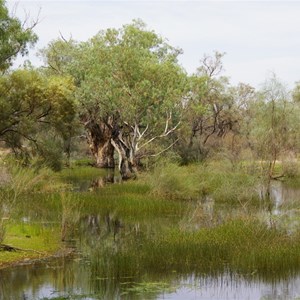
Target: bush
(173,181)
(50,154)
(290,168)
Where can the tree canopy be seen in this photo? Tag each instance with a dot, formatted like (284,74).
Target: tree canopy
(15,37)
(128,80)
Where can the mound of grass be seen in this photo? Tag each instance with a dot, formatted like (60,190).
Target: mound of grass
(197,181)
(130,200)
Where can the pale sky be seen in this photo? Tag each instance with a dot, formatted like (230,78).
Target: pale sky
(259,37)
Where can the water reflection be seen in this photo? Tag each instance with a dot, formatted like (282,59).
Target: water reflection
(95,228)
(70,278)
(101,182)
(91,184)
(281,209)
(99,273)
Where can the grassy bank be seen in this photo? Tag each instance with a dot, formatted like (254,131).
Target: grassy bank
(29,242)
(23,235)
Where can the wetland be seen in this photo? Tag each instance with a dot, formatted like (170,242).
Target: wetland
(139,240)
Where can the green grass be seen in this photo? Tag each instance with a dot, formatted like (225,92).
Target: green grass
(173,234)
(244,246)
(81,172)
(194,182)
(36,241)
(130,200)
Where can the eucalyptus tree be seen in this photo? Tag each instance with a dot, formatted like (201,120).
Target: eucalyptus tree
(32,104)
(138,87)
(210,108)
(296,116)
(15,37)
(273,124)
(130,89)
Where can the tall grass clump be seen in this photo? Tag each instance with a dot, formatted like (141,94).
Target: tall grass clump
(70,215)
(246,247)
(227,185)
(16,183)
(216,179)
(81,172)
(131,200)
(173,181)
(4,180)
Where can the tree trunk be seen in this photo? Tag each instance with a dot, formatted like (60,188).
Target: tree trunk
(104,155)
(126,165)
(99,136)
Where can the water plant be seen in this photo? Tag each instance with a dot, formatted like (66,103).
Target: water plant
(70,215)
(244,246)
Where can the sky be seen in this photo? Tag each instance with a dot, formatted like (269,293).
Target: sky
(259,37)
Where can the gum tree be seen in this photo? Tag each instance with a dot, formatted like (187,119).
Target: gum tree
(273,129)
(32,104)
(210,110)
(137,85)
(130,89)
(15,37)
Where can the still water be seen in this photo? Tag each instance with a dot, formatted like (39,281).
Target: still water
(70,279)
(86,276)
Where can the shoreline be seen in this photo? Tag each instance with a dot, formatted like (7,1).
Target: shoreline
(39,258)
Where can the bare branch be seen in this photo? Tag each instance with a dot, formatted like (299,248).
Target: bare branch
(145,130)
(164,134)
(164,150)
(63,38)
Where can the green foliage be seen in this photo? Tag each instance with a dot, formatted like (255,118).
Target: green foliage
(214,113)
(273,124)
(14,37)
(49,153)
(23,103)
(129,80)
(35,107)
(129,69)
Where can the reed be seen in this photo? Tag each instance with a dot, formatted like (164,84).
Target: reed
(80,172)
(243,246)
(131,201)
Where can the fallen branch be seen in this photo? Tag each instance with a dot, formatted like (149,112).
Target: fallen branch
(4,247)
(277,176)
